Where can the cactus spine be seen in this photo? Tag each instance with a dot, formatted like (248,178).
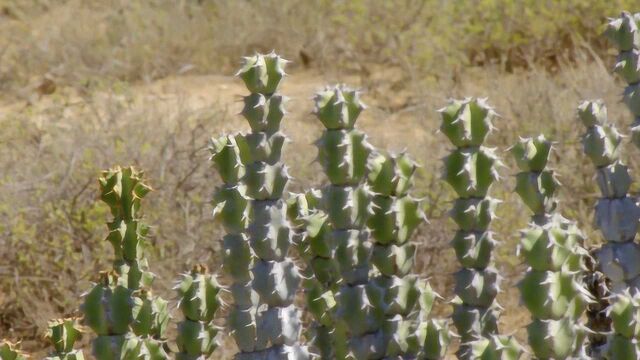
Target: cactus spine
(63,334)
(130,322)
(263,319)
(470,170)
(624,34)
(616,213)
(407,300)
(198,301)
(552,289)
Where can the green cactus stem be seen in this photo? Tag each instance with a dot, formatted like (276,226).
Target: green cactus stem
(263,319)
(624,34)
(622,343)
(198,301)
(130,323)
(470,169)
(617,213)
(407,300)
(62,334)
(552,288)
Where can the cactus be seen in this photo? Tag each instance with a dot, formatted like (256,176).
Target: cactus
(471,170)
(198,300)
(345,305)
(263,319)
(9,351)
(130,322)
(63,334)
(552,289)
(617,213)
(623,32)
(624,312)
(407,300)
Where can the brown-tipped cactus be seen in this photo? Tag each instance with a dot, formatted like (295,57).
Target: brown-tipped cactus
(470,169)
(552,288)
(10,351)
(263,319)
(199,302)
(616,213)
(407,300)
(130,322)
(623,32)
(63,334)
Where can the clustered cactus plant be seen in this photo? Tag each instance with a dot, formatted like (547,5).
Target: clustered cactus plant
(616,213)
(130,322)
(552,289)
(263,319)
(471,170)
(624,34)
(199,302)
(63,334)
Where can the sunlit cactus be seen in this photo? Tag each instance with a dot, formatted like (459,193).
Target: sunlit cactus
(130,322)
(616,213)
(623,32)
(625,319)
(470,169)
(199,302)
(63,334)
(10,351)
(552,289)
(407,300)
(263,320)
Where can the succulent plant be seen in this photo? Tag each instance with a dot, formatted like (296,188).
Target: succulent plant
(63,334)
(198,301)
(10,351)
(263,319)
(552,247)
(617,213)
(470,169)
(624,34)
(624,312)
(130,322)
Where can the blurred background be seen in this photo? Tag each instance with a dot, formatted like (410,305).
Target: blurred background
(89,84)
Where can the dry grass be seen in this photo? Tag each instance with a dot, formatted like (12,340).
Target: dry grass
(102,114)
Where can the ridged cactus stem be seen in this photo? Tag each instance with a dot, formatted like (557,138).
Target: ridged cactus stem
(127,319)
(198,301)
(407,331)
(552,247)
(340,294)
(63,334)
(263,319)
(624,341)
(616,213)
(623,32)
(471,170)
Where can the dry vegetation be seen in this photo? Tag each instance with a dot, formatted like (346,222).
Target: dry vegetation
(85,85)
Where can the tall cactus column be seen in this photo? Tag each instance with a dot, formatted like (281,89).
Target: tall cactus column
(470,170)
(552,289)
(616,213)
(407,331)
(625,35)
(263,319)
(343,153)
(130,322)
